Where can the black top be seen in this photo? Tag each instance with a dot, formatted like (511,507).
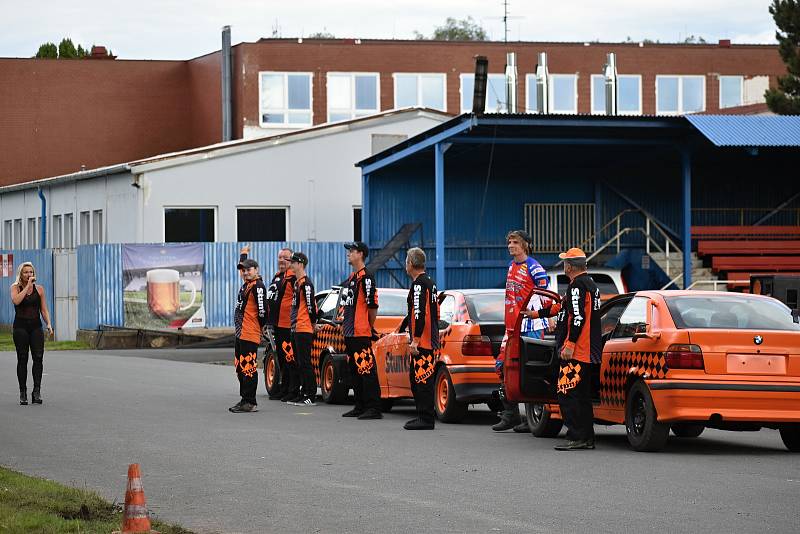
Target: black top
(28,312)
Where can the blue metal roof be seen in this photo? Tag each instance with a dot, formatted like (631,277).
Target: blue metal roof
(748,130)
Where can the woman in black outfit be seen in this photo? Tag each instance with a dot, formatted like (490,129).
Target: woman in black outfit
(29,304)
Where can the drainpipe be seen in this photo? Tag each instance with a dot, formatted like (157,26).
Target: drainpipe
(227,130)
(43,238)
(511,82)
(610,74)
(542,85)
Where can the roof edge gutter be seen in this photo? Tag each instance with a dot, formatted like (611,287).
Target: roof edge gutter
(66,178)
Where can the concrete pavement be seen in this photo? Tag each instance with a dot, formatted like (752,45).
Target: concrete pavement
(291,469)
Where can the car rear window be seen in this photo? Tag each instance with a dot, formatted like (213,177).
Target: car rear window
(394,304)
(487,307)
(736,312)
(604,283)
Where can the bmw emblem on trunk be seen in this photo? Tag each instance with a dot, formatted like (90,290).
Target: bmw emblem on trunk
(758,340)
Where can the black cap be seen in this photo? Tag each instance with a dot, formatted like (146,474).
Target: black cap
(247,263)
(359,246)
(299,257)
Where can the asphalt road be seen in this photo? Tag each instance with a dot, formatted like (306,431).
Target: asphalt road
(290,469)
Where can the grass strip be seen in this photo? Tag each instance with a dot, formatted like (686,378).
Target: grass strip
(29,504)
(7,344)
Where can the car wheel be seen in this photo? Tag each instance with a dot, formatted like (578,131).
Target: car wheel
(687,430)
(271,373)
(644,431)
(386,405)
(541,421)
(790,434)
(447,408)
(330,383)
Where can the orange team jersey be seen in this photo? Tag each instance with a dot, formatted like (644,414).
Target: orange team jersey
(359,295)
(285,304)
(423,313)
(251,311)
(304,307)
(583,319)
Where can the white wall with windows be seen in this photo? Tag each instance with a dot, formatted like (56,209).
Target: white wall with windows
(678,95)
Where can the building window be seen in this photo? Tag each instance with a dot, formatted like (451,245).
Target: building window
(357,223)
(495,93)
(731,91)
(563,93)
(69,231)
(188,225)
(85,228)
(18,233)
(55,232)
(531,94)
(285,99)
(352,95)
(8,234)
(426,90)
(97,226)
(629,94)
(676,95)
(32,232)
(261,224)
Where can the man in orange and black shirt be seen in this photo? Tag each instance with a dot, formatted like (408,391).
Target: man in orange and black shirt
(579,341)
(304,317)
(423,331)
(249,318)
(279,297)
(360,301)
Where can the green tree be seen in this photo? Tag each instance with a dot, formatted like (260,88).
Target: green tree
(322,35)
(785,99)
(456,30)
(47,51)
(66,49)
(694,40)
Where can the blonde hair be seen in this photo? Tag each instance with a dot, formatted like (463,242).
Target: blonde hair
(18,281)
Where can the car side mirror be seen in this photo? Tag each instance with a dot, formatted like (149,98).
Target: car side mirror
(796,315)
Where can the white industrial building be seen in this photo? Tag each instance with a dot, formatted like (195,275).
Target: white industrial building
(299,186)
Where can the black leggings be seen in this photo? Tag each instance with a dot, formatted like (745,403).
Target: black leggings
(30,338)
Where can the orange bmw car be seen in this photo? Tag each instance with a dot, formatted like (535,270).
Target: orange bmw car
(679,360)
(471,330)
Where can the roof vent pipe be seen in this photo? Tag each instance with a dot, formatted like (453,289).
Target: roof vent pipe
(511,82)
(480,81)
(610,74)
(227,130)
(542,85)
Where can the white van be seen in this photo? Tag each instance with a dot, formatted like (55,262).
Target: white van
(609,281)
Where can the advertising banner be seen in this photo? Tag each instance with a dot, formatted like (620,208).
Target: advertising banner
(7,265)
(163,285)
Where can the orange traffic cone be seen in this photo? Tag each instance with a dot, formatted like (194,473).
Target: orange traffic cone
(134,515)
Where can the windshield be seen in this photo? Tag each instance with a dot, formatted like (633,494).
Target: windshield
(738,312)
(487,307)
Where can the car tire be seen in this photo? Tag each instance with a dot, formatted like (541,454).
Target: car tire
(330,383)
(387,405)
(645,433)
(447,408)
(687,430)
(541,421)
(790,434)
(272,373)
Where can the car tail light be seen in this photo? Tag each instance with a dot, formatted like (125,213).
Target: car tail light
(476,346)
(684,357)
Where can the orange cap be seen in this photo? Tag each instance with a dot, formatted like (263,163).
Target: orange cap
(572,253)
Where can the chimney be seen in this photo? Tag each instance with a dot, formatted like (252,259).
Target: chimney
(227,133)
(724,43)
(479,89)
(610,74)
(511,82)
(542,85)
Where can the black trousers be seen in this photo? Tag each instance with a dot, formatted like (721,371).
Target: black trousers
(301,341)
(575,399)
(363,373)
(246,362)
(29,338)
(421,377)
(283,344)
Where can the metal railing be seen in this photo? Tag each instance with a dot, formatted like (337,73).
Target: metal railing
(555,227)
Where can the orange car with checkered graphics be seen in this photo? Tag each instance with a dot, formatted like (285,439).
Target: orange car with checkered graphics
(328,356)
(471,330)
(680,361)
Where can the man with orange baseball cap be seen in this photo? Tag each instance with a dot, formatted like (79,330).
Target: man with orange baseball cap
(579,343)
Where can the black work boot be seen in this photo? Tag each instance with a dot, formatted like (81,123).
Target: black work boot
(506,424)
(23,397)
(523,427)
(36,396)
(418,424)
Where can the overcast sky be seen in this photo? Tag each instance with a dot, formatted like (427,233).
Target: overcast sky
(183,29)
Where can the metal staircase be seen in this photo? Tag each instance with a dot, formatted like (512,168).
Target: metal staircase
(399,242)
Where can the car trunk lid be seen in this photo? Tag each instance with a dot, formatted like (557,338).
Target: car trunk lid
(749,352)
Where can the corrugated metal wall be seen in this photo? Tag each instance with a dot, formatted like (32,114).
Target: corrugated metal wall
(42,261)
(100,277)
